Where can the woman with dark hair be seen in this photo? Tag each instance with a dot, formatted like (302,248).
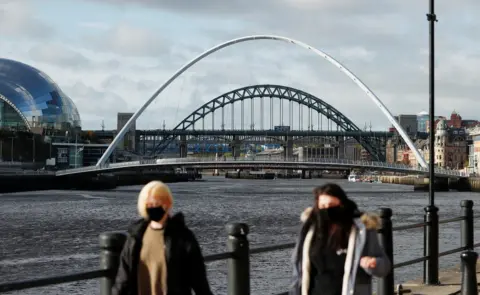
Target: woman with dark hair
(337,251)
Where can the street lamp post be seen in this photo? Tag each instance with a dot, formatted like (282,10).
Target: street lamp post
(33,149)
(76,149)
(11,150)
(430,276)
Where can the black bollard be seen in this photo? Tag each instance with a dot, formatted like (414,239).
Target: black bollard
(111,245)
(469,273)
(467,224)
(430,270)
(239,264)
(385,236)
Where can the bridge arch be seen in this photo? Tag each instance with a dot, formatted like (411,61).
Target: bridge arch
(218,47)
(275,91)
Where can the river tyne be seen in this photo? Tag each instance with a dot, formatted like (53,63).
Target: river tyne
(56,232)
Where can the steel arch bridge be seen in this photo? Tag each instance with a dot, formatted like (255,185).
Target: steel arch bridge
(290,94)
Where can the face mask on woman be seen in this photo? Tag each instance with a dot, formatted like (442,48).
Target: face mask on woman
(156,213)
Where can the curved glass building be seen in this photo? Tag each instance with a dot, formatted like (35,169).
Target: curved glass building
(29,98)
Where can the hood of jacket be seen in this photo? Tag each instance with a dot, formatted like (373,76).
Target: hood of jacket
(176,221)
(370,220)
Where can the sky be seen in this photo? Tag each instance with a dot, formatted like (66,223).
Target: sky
(110,56)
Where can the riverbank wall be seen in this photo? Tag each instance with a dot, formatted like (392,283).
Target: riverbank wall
(48,181)
(441,184)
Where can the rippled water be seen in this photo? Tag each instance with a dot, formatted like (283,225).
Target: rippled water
(51,233)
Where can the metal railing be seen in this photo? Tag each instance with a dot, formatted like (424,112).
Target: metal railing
(290,162)
(238,256)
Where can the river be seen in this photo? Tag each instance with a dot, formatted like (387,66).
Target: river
(56,232)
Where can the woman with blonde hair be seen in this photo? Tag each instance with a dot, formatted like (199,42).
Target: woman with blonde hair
(161,255)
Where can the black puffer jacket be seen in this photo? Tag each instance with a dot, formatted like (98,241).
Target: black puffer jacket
(185,263)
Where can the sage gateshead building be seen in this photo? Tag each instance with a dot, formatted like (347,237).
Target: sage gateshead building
(29,99)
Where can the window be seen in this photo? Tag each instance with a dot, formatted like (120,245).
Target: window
(62,155)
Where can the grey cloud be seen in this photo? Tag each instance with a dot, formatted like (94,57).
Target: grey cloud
(64,57)
(19,21)
(207,7)
(59,55)
(97,104)
(129,41)
(380,41)
(247,8)
(116,81)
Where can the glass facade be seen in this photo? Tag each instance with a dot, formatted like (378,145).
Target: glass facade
(422,122)
(29,98)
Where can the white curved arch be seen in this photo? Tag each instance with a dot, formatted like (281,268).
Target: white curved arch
(330,59)
(27,124)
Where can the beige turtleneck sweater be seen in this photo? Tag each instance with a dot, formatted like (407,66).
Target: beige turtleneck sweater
(152,267)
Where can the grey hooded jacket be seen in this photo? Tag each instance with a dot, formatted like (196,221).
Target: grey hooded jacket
(363,242)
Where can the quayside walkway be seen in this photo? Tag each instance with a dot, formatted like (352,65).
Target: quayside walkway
(450,283)
(238,255)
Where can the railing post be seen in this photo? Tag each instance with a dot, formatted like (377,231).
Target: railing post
(469,273)
(385,285)
(239,264)
(467,224)
(111,244)
(430,270)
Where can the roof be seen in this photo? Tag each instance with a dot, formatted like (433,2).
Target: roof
(35,95)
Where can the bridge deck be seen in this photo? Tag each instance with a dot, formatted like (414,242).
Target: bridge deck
(230,163)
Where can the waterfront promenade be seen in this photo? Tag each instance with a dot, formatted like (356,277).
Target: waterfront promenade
(57,232)
(450,283)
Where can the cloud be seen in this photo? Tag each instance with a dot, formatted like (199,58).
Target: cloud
(60,55)
(94,25)
(129,40)
(18,20)
(94,105)
(120,61)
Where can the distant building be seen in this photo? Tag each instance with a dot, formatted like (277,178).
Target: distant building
(474,151)
(408,123)
(398,152)
(422,119)
(128,142)
(455,121)
(73,155)
(451,146)
(437,119)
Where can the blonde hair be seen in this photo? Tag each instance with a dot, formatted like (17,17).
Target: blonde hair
(156,188)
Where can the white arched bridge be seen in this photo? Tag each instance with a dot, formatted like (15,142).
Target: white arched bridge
(116,141)
(231,163)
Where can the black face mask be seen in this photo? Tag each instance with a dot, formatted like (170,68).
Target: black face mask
(156,213)
(334,214)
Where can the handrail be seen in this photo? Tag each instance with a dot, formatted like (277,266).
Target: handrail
(36,283)
(15,286)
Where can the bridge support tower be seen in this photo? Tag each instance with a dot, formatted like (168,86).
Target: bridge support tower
(235,145)
(288,148)
(340,148)
(307,174)
(183,146)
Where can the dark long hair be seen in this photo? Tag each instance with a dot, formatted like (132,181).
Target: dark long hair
(331,231)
